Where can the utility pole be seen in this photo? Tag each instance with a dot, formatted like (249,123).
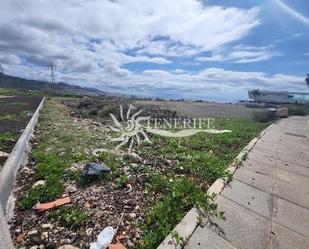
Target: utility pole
(52,68)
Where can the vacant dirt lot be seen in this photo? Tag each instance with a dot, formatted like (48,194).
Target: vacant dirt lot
(15,112)
(201,109)
(146,193)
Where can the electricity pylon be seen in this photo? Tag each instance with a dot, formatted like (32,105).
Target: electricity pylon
(52,68)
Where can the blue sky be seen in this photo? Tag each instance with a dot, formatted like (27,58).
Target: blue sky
(212,50)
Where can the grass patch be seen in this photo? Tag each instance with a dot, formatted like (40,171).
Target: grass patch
(20,92)
(298,110)
(10,117)
(61,143)
(197,162)
(51,169)
(4,137)
(14,117)
(180,196)
(70,217)
(5,140)
(44,193)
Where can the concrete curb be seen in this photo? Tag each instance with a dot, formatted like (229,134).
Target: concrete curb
(191,220)
(15,159)
(5,237)
(8,176)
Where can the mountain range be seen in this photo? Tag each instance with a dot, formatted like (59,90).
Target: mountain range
(7,81)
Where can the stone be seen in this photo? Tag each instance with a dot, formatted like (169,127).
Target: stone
(75,167)
(98,215)
(126,170)
(3,156)
(99,151)
(143,178)
(89,231)
(67,247)
(137,235)
(44,236)
(71,189)
(21,237)
(132,215)
(39,183)
(47,226)
(33,232)
(130,244)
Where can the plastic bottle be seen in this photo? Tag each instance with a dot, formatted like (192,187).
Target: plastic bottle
(104,238)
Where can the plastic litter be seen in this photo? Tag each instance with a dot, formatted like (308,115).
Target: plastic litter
(94,170)
(104,238)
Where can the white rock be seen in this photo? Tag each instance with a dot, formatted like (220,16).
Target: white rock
(47,226)
(3,156)
(126,170)
(33,232)
(67,247)
(132,215)
(98,151)
(39,183)
(70,189)
(89,231)
(44,236)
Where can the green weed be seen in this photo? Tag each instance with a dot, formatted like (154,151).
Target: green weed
(70,216)
(180,196)
(44,193)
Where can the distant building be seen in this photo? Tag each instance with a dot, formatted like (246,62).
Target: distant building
(279,97)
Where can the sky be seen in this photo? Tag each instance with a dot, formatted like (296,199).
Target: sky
(212,50)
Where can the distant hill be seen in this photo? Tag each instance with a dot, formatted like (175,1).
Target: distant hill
(61,88)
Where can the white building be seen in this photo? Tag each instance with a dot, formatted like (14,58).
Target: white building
(279,97)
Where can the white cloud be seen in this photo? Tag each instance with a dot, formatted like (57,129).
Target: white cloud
(187,25)
(242,54)
(93,41)
(167,48)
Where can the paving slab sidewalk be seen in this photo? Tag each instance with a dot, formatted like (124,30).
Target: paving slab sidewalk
(267,203)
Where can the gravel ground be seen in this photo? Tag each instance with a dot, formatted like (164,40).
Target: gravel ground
(106,205)
(200,109)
